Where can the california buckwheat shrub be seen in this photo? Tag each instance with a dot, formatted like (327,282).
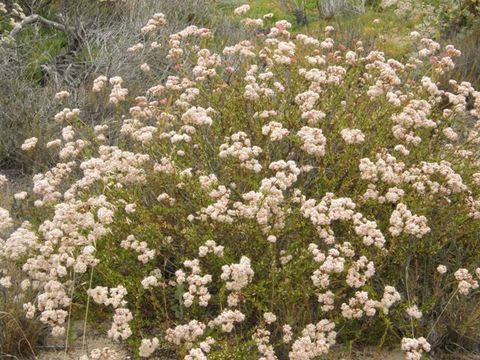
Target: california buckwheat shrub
(278,196)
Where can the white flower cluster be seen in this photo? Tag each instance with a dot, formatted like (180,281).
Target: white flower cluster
(67,114)
(275,131)
(141,247)
(21,242)
(413,116)
(358,306)
(127,167)
(466,282)
(403,221)
(390,297)
(148,347)
(262,340)
(414,312)
(414,348)
(206,64)
(243,48)
(313,116)
(330,209)
(29,144)
(306,101)
(187,333)
(284,53)
(104,353)
(200,352)
(210,247)
(5,220)
(441,269)
(352,136)
(120,329)
(327,300)
(315,341)
(355,278)
(6,282)
(99,83)
(157,21)
(50,302)
(134,128)
(240,147)
(198,116)
(265,205)
(62,95)
(333,263)
(237,276)
(114,296)
(269,317)
(118,94)
(218,211)
(287,333)
(176,52)
(3,180)
(241,10)
(313,140)
(252,23)
(227,319)
(196,283)
(165,198)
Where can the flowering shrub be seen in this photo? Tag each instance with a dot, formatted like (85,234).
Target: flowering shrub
(444,18)
(424,13)
(274,198)
(457,16)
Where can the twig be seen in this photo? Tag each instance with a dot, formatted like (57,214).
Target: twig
(408,294)
(21,330)
(70,314)
(86,311)
(443,310)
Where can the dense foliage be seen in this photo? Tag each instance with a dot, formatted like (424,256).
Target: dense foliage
(264,201)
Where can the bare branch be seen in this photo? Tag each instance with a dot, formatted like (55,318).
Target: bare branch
(37,18)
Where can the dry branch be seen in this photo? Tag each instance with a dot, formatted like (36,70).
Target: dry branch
(37,18)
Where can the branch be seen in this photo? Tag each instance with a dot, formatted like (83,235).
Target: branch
(37,18)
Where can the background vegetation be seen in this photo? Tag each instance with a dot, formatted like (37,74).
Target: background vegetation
(44,60)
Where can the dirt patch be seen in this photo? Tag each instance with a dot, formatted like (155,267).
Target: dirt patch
(341,353)
(77,347)
(55,348)
(372,353)
(76,351)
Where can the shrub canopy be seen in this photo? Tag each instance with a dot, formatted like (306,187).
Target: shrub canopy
(265,202)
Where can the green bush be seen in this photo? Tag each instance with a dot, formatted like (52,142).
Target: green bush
(273,199)
(459,16)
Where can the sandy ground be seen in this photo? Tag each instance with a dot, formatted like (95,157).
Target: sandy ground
(55,348)
(95,339)
(75,351)
(367,354)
